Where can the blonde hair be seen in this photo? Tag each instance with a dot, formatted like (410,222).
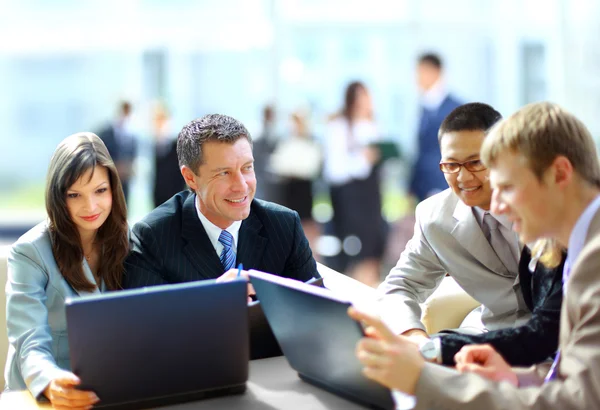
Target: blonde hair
(539,133)
(550,252)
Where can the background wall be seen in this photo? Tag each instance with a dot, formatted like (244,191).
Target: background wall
(64,64)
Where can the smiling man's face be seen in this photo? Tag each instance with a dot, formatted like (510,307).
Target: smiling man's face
(473,188)
(225,182)
(530,204)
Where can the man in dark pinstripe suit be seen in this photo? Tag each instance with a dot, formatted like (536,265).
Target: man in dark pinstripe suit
(204,232)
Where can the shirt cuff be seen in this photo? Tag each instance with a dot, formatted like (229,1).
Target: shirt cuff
(404,401)
(437,343)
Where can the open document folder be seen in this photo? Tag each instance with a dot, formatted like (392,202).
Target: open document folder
(343,286)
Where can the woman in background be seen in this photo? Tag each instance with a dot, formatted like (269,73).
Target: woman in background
(297,161)
(78,251)
(351,172)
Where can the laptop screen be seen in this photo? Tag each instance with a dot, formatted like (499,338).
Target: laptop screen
(318,337)
(161,342)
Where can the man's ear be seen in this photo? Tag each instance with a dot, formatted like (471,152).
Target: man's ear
(189,177)
(563,170)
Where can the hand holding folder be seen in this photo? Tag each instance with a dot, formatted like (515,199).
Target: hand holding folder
(387,150)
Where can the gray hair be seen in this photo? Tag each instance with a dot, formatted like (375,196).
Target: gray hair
(211,127)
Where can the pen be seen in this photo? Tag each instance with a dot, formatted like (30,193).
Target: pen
(240,267)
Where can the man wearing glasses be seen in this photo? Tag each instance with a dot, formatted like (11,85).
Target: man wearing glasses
(456,234)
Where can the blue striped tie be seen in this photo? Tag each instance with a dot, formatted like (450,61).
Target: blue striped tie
(227,254)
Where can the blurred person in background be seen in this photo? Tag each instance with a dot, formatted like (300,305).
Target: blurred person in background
(350,169)
(263,147)
(167,177)
(121,144)
(296,162)
(436,103)
(78,251)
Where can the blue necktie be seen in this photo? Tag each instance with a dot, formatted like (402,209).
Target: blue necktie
(552,372)
(227,254)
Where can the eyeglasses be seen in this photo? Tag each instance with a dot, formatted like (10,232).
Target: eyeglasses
(454,167)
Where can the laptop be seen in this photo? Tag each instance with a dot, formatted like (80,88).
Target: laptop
(263,343)
(318,338)
(161,345)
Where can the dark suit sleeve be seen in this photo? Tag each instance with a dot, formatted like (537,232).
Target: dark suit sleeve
(143,266)
(107,136)
(300,264)
(525,345)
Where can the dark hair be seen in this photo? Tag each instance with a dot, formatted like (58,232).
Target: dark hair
(73,157)
(211,127)
(125,108)
(431,59)
(268,113)
(469,117)
(350,97)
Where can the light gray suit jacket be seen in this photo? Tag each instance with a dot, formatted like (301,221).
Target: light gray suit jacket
(35,313)
(577,385)
(448,239)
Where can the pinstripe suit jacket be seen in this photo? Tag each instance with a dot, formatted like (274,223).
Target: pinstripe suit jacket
(170,245)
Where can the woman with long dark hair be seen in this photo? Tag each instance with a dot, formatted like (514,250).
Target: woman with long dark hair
(353,176)
(79,250)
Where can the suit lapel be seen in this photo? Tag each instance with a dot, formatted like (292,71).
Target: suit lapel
(469,234)
(251,245)
(87,272)
(524,276)
(198,249)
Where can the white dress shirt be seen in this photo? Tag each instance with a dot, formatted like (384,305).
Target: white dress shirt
(435,96)
(213,231)
(344,162)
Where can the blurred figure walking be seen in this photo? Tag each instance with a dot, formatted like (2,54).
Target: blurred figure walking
(262,148)
(436,103)
(167,176)
(353,176)
(296,162)
(121,144)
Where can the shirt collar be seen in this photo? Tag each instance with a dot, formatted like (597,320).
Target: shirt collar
(579,233)
(213,231)
(502,219)
(435,96)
